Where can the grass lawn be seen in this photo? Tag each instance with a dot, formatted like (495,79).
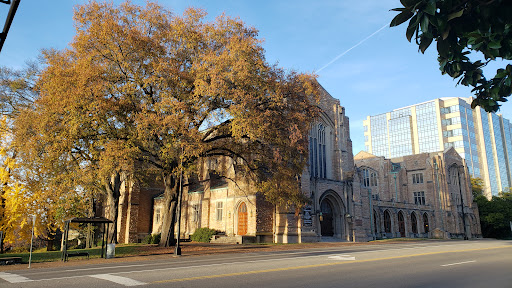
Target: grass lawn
(49,256)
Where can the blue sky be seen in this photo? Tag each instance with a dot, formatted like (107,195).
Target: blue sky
(382,73)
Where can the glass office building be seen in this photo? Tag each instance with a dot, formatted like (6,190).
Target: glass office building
(482,139)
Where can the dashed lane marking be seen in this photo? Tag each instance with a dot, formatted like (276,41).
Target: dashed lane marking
(458,263)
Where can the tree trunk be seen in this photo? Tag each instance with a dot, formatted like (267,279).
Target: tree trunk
(170,205)
(113,187)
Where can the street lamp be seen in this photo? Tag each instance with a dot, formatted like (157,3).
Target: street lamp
(177,249)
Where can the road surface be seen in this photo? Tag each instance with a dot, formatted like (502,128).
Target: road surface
(476,263)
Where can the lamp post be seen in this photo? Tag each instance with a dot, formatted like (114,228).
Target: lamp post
(462,203)
(177,249)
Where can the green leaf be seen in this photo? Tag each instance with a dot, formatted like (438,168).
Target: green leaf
(424,24)
(446,32)
(455,15)
(501,73)
(443,47)
(410,32)
(431,7)
(494,45)
(425,42)
(409,3)
(474,103)
(401,18)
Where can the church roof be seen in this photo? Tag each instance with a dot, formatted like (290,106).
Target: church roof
(363,155)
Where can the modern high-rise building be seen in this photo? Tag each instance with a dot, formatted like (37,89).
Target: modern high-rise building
(482,139)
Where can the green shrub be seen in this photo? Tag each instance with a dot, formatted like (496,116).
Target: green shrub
(152,239)
(156,238)
(203,234)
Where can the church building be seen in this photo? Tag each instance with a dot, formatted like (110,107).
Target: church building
(426,195)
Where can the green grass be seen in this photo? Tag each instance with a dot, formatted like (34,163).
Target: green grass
(50,256)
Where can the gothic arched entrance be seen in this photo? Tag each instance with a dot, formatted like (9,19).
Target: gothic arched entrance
(326,218)
(332,211)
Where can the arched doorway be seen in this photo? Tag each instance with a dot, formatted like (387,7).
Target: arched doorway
(242,219)
(425,223)
(376,223)
(331,218)
(387,222)
(414,223)
(401,224)
(326,219)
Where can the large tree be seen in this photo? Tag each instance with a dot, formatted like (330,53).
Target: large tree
(465,30)
(142,87)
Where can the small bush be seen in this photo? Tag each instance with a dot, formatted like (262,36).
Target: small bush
(152,239)
(156,238)
(203,234)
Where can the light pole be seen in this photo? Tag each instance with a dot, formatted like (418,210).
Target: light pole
(462,203)
(177,249)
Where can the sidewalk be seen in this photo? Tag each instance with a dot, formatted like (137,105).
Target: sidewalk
(194,249)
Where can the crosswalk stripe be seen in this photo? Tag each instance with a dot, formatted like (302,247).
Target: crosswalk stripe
(13,278)
(118,279)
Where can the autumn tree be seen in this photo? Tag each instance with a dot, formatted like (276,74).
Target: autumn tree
(465,30)
(142,87)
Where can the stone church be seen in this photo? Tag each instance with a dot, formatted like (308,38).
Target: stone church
(338,189)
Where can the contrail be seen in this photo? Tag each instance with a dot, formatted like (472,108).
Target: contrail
(348,50)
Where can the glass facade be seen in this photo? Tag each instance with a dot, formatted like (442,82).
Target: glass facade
(487,150)
(379,132)
(483,139)
(428,133)
(500,152)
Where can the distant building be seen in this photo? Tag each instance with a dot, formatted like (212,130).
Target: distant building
(482,139)
(424,195)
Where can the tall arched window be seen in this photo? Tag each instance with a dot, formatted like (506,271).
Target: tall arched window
(369,178)
(414,223)
(387,222)
(317,152)
(425,223)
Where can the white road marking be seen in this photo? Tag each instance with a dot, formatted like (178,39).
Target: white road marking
(342,257)
(458,263)
(118,279)
(13,278)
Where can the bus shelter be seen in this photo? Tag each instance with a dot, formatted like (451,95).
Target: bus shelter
(93,220)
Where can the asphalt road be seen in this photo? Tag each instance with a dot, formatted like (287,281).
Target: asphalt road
(479,263)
